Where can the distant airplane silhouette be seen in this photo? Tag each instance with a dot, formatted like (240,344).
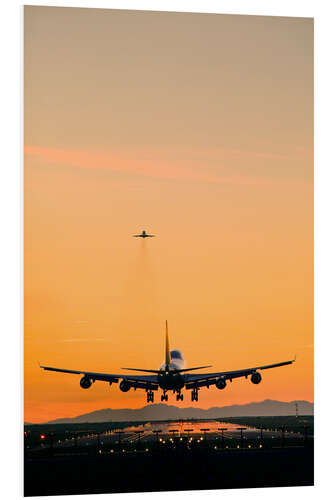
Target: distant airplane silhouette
(171,376)
(143,235)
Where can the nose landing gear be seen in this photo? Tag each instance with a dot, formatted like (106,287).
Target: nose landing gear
(150,396)
(194,394)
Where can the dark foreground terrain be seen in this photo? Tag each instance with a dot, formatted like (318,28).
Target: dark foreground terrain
(165,471)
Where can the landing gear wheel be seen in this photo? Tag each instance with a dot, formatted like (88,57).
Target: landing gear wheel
(164,396)
(150,397)
(194,395)
(179,396)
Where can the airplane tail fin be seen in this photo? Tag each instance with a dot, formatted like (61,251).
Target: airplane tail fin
(167,349)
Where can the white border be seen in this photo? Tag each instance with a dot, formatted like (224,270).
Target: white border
(11,231)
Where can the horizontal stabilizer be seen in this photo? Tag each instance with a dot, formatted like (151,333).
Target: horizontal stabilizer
(190,369)
(141,370)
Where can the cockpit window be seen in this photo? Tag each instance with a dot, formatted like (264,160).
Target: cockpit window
(176,355)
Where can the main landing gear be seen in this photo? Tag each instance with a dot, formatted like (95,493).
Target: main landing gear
(194,394)
(164,396)
(179,395)
(150,396)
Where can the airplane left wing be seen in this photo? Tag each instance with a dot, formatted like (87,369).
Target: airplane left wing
(207,379)
(136,381)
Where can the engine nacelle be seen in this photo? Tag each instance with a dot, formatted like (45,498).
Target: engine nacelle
(85,382)
(124,386)
(221,383)
(255,378)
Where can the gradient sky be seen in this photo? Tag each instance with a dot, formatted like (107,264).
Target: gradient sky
(198,128)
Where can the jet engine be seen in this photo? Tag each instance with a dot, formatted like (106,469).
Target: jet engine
(221,383)
(85,382)
(255,378)
(124,386)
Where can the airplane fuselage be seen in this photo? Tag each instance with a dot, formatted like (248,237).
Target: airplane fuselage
(170,378)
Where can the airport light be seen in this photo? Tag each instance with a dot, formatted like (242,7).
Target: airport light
(305,435)
(188,432)
(283,430)
(157,432)
(222,429)
(119,436)
(241,429)
(205,432)
(139,434)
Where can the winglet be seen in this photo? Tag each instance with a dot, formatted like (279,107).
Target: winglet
(167,349)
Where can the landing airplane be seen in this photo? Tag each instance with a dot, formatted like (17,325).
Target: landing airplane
(171,376)
(143,235)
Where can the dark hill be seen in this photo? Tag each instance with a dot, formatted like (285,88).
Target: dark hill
(168,412)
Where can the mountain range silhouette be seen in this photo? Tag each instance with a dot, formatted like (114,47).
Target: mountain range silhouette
(161,411)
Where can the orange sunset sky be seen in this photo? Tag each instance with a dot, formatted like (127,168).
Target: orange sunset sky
(199,129)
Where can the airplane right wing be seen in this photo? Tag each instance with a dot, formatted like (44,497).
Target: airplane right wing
(207,379)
